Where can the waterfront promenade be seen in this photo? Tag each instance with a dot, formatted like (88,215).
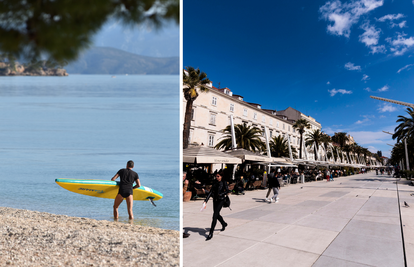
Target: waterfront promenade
(352,221)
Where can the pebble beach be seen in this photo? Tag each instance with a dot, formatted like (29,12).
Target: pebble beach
(31,238)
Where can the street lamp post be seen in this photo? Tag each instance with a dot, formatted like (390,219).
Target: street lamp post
(406,154)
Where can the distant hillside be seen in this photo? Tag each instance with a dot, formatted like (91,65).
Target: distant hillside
(106,60)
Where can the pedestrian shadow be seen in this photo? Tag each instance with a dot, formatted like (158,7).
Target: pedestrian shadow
(200,231)
(374,180)
(260,200)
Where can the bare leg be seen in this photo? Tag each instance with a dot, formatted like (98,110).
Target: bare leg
(130,203)
(117,202)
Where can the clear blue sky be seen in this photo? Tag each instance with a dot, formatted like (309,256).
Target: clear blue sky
(324,58)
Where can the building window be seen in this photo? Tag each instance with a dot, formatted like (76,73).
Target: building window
(211,140)
(270,133)
(255,116)
(263,132)
(283,126)
(214,101)
(263,118)
(277,124)
(270,121)
(288,128)
(293,129)
(212,119)
(298,141)
(245,112)
(231,107)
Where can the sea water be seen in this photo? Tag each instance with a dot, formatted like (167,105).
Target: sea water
(88,127)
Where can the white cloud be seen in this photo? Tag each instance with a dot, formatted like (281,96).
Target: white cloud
(378,49)
(366,119)
(329,81)
(370,38)
(391,17)
(401,44)
(351,66)
(367,89)
(365,77)
(387,108)
(329,130)
(370,137)
(401,24)
(341,91)
(405,67)
(343,15)
(384,88)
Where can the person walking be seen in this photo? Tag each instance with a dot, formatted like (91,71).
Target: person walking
(219,190)
(275,185)
(328,175)
(269,177)
(127,177)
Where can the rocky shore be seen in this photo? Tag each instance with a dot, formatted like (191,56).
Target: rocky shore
(20,70)
(30,238)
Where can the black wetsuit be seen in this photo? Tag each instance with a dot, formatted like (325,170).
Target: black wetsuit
(127,180)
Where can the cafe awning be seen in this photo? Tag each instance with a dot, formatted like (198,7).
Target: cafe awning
(207,155)
(247,155)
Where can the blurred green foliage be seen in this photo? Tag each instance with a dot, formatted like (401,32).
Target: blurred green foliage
(60,29)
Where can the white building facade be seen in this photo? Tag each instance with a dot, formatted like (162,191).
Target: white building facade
(211,114)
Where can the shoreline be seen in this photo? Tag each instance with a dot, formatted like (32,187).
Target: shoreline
(39,238)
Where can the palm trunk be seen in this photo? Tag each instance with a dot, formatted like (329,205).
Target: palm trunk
(300,146)
(187,122)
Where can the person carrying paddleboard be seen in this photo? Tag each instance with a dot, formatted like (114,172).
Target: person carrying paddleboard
(128,177)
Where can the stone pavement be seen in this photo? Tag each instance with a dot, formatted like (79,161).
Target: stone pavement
(352,221)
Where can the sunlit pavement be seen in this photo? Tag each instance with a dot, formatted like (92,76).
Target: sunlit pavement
(352,221)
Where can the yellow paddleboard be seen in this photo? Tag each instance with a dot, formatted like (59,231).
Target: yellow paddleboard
(105,189)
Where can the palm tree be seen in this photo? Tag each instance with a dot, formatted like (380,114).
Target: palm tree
(406,128)
(336,151)
(194,80)
(301,125)
(326,141)
(398,152)
(279,147)
(347,149)
(340,138)
(314,137)
(247,137)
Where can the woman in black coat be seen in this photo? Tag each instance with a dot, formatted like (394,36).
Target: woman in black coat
(219,190)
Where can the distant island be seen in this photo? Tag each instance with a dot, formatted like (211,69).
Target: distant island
(96,60)
(41,68)
(107,60)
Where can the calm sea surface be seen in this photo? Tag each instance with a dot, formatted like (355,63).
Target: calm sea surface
(88,127)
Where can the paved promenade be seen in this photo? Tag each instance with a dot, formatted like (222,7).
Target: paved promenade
(352,221)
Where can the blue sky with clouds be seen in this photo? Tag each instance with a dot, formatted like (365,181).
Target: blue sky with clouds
(324,58)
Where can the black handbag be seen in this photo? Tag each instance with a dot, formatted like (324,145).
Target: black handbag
(226,203)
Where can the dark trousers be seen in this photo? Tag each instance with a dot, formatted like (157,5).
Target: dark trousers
(217,206)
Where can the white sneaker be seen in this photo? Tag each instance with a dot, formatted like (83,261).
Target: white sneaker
(276,201)
(272,200)
(277,198)
(267,199)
